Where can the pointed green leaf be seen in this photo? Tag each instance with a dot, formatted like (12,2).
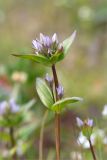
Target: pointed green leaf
(37,58)
(28,105)
(67,42)
(62,103)
(44,92)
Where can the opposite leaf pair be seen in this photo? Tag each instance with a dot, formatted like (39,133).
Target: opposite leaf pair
(46,97)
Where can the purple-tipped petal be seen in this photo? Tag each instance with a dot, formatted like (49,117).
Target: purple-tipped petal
(55,38)
(37,45)
(60,91)
(3,107)
(42,38)
(80,123)
(47,42)
(90,122)
(14,108)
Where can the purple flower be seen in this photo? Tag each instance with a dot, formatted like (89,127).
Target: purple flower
(47,46)
(37,45)
(45,40)
(10,106)
(60,91)
(14,108)
(80,123)
(90,122)
(3,107)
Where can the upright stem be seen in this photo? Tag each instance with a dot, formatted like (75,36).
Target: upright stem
(42,135)
(92,150)
(13,142)
(57,116)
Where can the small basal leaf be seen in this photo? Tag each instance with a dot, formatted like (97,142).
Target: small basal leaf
(44,93)
(59,105)
(67,42)
(34,57)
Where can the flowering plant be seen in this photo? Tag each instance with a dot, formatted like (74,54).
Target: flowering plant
(49,51)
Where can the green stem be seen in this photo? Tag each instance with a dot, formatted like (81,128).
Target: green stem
(13,142)
(42,135)
(57,116)
(92,150)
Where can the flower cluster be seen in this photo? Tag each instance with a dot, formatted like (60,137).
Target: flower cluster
(47,46)
(10,107)
(48,50)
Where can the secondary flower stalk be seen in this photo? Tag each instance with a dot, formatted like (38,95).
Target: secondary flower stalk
(86,128)
(7,109)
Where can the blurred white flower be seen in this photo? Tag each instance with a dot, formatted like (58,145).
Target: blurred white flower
(85,12)
(98,133)
(19,76)
(105,140)
(19,148)
(82,140)
(5,153)
(76,155)
(104,112)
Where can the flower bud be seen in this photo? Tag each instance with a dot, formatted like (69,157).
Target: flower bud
(55,38)
(49,80)
(60,91)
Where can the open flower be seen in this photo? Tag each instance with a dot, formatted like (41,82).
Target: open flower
(10,107)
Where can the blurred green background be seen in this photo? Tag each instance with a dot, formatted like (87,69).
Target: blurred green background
(83,73)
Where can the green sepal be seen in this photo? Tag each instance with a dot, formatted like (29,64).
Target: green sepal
(44,93)
(68,42)
(59,105)
(87,131)
(57,57)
